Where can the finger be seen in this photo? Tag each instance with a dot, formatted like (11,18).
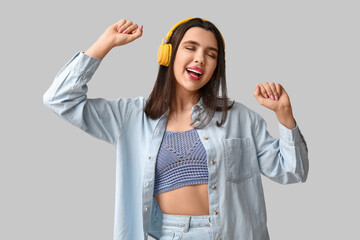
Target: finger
(134,31)
(131,29)
(263,91)
(257,92)
(137,34)
(123,28)
(278,89)
(268,90)
(258,95)
(274,91)
(119,24)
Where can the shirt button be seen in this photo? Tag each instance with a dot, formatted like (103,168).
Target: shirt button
(157,133)
(146,184)
(206,138)
(213,186)
(146,209)
(212,162)
(216,212)
(149,157)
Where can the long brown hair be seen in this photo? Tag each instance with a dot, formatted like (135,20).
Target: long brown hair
(160,99)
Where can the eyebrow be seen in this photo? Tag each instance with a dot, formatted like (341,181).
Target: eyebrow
(197,44)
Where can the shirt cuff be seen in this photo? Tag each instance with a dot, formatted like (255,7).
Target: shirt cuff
(84,64)
(290,136)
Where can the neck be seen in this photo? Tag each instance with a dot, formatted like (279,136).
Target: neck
(184,101)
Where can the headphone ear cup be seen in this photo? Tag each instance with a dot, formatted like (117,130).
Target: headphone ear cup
(164,54)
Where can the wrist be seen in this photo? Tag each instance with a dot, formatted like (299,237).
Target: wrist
(286,118)
(107,41)
(99,49)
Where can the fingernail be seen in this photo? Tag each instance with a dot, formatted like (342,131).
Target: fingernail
(120,30)
(266,96)
(272,97)
(125,32)
(276,97)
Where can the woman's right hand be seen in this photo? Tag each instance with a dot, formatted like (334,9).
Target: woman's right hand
(123,32)
(118,34)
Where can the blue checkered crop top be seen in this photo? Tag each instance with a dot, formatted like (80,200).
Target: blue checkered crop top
(181,161)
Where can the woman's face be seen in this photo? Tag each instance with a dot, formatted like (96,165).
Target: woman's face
(195,60)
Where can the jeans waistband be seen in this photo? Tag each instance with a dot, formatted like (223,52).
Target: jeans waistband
(185,221)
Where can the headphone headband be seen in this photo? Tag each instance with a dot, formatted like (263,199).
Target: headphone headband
(173,28)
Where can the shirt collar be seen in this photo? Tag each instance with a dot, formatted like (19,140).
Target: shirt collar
(199,105)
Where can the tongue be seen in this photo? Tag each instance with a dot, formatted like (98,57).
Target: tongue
(193,74)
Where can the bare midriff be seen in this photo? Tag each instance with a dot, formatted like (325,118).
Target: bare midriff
(190,200)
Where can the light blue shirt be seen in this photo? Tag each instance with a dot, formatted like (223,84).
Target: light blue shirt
(237,153)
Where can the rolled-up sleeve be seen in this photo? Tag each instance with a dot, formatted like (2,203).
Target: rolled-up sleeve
(283,160)
(67,97)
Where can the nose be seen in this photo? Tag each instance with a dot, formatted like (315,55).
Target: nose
(199,58)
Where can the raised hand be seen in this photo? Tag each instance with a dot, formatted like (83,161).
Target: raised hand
(273,96)
(118,34)
(124,32)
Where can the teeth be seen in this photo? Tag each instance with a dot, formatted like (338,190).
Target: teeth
(192,70)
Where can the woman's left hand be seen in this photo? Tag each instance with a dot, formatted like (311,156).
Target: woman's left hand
(273,96)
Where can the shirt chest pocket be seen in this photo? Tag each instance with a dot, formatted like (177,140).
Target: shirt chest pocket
(237,155)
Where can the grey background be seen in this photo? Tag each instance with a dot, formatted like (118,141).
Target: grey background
(57,182)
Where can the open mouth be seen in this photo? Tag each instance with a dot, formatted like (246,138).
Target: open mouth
(194,74)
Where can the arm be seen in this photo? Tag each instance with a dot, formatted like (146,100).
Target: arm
(67,94)
(283,160)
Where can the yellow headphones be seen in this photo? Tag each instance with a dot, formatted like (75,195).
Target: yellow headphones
(164,52)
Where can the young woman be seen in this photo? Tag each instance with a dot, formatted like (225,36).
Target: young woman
(188,159)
